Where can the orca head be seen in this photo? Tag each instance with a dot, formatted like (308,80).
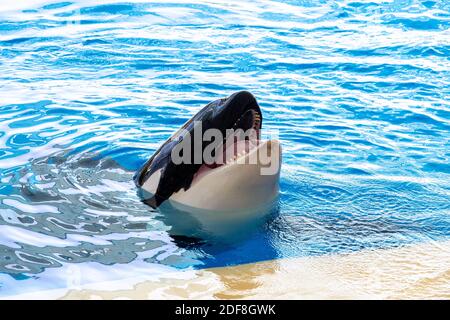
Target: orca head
(162,178)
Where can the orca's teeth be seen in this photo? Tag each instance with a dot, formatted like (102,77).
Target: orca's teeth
(256,120)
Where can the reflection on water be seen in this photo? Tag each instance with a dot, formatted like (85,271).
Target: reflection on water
(357,91)
(74,208)
(216,226)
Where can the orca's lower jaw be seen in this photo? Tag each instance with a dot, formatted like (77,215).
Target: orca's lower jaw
(247,182)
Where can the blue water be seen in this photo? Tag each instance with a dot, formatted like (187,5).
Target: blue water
(358,92)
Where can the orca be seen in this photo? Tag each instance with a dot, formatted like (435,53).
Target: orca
(243,175)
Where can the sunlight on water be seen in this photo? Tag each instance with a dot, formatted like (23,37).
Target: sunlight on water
(358,92)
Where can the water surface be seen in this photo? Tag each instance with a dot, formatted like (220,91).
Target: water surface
(357,92)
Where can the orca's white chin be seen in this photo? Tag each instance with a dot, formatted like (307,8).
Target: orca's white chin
(248,181)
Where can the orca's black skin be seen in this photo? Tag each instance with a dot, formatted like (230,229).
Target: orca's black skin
(220,114)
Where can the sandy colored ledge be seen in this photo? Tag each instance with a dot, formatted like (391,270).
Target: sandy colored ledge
(410,272)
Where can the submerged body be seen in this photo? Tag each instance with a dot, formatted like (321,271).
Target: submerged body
(243,176)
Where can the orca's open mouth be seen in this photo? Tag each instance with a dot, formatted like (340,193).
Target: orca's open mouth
(162,176)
